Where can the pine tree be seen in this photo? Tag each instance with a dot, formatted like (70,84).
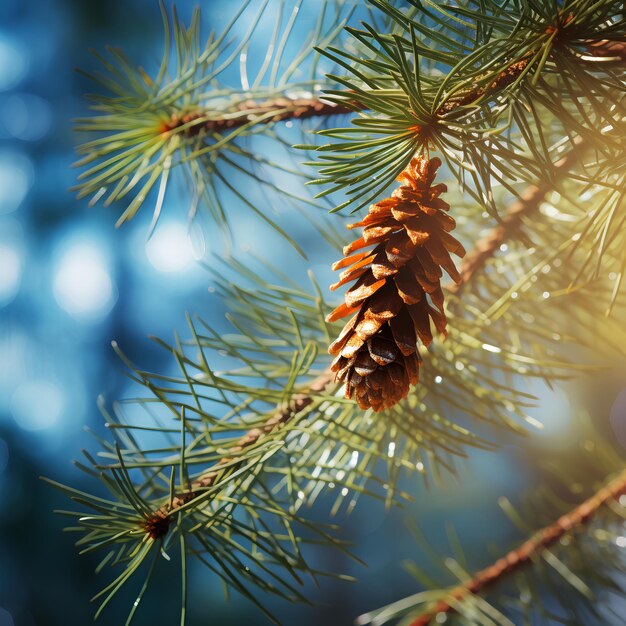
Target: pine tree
(502,118)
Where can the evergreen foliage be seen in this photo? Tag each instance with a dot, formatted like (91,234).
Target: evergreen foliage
(567,572)
(523,100)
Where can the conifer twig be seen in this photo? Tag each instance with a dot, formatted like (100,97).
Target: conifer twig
(524,553)
(286,108)
(529,202)
(157,525)
(275,110)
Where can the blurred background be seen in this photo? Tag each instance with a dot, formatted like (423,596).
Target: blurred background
(70,283)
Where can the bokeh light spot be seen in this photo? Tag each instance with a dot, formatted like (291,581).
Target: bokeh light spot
(13,62)
(16,173)
(25,116)
(169,249)
(82,284)
(10,273)
(37,404)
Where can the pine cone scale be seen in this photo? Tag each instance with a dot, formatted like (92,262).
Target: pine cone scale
(341,311)
(403,331)
(368,326)
(366,286)
(408,287)
(381,266)
(349,260)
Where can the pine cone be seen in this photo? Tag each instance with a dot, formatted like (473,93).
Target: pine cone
(397,289)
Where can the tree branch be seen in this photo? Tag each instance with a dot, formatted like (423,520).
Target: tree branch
(532,198)
(302,108)
(523,554)
(157,525)
(284,108)
(268,111)
(529,202)
(486,247)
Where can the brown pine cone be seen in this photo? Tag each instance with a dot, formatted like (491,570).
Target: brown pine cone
(397,290)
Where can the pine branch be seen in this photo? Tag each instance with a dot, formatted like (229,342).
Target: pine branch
(251,112)
(188,115)
(150,126)
(571,564)
(524,553)
(485,249)
(529,202)
(509,71)
(157,526)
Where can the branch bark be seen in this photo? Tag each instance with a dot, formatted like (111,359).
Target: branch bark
(284,108)
(534,195)
(529,202)
(524,553)
(268,111)
(158,524)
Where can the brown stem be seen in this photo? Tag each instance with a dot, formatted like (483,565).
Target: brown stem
(284,108)
(605,49)
(528,203)
(500,82)
(276,110)
(523,554)
(610,50)
(157,525)
(533,196)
